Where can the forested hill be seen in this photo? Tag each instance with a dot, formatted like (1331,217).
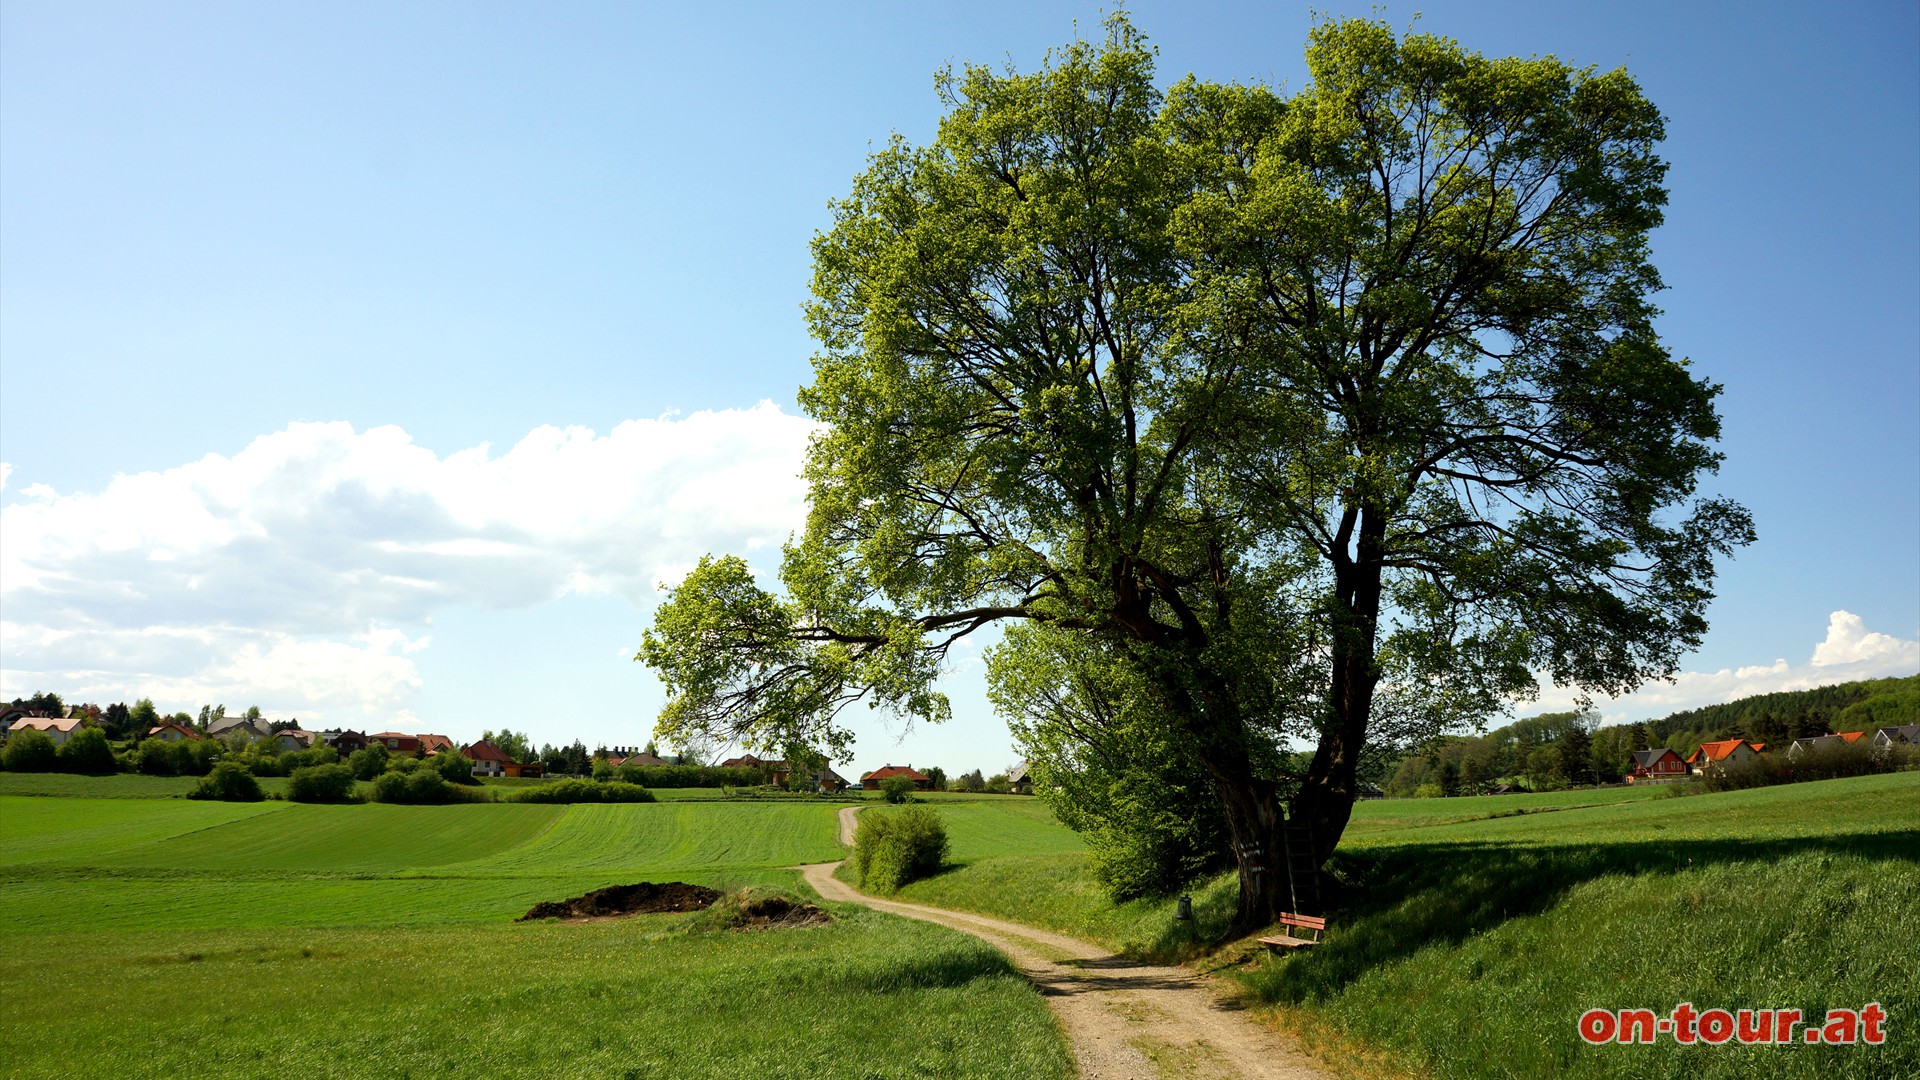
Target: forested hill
(1794,714)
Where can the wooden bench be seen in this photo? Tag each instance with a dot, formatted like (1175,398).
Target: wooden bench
(1303,924)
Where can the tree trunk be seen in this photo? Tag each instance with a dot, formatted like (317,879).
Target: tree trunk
(1255,821)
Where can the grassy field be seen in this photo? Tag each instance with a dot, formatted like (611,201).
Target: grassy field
(168,937)
(1469,934)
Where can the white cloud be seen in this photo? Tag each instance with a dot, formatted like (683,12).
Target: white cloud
(1849,652)
(301,570)
(6,474)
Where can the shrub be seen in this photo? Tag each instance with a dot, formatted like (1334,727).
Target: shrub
(154,757)
(321,783)
(29,751)
(368,763)
(892,848)
(602,770)
(454,768)
(86,751)
(897,789)
(195,757)
(230,781)
(422,787)
(584,791)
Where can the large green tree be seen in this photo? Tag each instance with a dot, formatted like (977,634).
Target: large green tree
(1329,418)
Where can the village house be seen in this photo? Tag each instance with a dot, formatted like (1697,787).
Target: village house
(872,781)
(291,739)
(1656,766)
(346,742)
(58,728)
(488,759)
(1021,780)
(1718,757)
(1823,742)
(397,742)
(171,732)
(1904,735)
(254,730)
(627,755)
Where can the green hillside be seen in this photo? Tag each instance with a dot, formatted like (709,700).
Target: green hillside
(276,939)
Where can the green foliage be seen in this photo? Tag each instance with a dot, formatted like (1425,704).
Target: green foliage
(584,791)
(454,768)
(31,750)
(422,787)
(155,757)
(1075,366)
(603,770)
(369,762)
(86,751)
(321,783)
(143,717)
(230,781)
(513,743)
(897,789)
(937,777)
(894,847)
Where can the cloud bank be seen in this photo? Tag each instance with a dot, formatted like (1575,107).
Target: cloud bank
(1849,652)
(307,568)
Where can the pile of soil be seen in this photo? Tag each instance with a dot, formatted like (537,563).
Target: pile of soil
(639,898)
(779,913)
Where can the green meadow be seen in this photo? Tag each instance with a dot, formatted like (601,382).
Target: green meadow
(164,937)
(1469,934)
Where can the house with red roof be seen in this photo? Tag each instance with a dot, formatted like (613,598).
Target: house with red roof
(396,742)
(171,732)
(434,744)
(1655,766)
(488,759)
(872,781)
(1724,754)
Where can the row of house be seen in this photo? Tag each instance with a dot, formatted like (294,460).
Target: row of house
(1656,766)
(778,772)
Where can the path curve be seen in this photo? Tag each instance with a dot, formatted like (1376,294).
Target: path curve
(1122,1019)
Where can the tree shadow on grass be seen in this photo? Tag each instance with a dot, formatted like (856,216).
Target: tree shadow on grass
(1390,902)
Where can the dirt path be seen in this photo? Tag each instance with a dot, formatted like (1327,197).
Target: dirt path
(1122,1019)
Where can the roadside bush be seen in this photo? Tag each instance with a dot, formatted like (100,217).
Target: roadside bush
(368,763)
(321,783)
(29,751)
(422,787)
(230,781)
(892,848)
(86,751)
(584,791)
(454,768)
(897,789)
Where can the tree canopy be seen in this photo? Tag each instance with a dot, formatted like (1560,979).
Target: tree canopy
(1259,420)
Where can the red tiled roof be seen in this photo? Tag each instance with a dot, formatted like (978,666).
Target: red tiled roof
(1850,736)
(888,772)
(485,751)
(432,743)
(1715,751)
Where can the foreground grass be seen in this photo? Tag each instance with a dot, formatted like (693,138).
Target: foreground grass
(868,996)
(1468,935)
(167,937)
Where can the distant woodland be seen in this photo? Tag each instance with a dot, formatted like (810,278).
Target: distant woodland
(1555,750)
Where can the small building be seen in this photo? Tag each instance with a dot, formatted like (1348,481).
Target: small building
(488,759)
(1823,742)
(628,756)
(58,728)
(431,744)
(1020,779)
(171,732)
(872,781)
(254,730)
(1657,766)
(532,770)
(397,742)
(346,742)
(293,738)
(1724,754)
(1902,735)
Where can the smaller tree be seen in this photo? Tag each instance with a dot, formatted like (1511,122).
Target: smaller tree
(368,763)
(29,751)
(897,789)
(454,767)
(86,751)
(144,718)
(1576,754)
(230,781)
(937,775)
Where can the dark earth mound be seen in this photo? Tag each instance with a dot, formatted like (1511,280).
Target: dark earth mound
(779,912)
(640,898)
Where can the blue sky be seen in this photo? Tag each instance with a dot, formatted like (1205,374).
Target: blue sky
(342,249)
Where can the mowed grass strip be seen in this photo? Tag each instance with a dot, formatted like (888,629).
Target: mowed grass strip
(45,829)
(357,838)
(869,996)
(684,836)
